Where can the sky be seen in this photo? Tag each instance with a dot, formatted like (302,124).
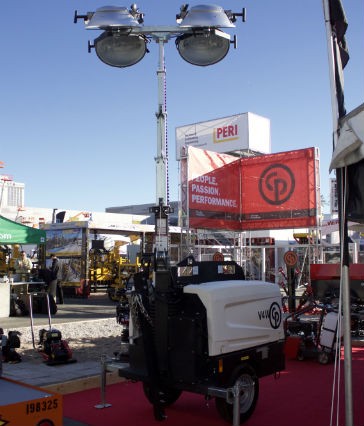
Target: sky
(82,135)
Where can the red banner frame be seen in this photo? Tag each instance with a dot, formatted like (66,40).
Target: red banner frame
(274,191)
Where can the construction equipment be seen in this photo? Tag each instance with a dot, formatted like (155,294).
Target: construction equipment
(313,336)
(109,269)
(51,346)
(200,327)
(8,346)
(116,290)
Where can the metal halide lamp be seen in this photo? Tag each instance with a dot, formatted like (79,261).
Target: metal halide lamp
(204,48)
(205,45)
(123,43)
(120,50)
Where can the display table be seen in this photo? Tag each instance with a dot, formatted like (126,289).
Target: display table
(22,404)
(26,287)
(22,290)
(18,289)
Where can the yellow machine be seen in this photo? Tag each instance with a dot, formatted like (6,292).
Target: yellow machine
(8,258)
(117,289)
(110,270)
(4,267)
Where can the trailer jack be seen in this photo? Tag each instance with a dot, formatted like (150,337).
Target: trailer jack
(233,397)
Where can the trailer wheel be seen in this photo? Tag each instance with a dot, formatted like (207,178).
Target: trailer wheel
(247,378)
(167,396)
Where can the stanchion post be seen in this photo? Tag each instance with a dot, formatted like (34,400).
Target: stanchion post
(103,404)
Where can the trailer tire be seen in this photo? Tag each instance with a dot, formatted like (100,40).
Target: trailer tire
(167,396)
(245,376)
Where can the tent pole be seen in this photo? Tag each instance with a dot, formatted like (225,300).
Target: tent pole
(343,229)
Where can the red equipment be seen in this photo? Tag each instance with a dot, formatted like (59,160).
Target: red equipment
(51,346)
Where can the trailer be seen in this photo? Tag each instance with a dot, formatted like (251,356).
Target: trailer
(201,327)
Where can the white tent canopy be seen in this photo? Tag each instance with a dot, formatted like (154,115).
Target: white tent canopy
(350,144)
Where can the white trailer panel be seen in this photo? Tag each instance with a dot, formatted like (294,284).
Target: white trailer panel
(240,314)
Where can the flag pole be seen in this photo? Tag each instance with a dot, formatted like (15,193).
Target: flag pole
(341,185)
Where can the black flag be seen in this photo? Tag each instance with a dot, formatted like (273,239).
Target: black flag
(339,25)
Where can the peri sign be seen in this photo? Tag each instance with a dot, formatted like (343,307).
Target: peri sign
(263,192)
(239,132)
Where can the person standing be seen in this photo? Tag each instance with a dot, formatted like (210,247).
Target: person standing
(23,265)
(53,278)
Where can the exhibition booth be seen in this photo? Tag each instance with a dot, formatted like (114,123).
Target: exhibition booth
(15,237)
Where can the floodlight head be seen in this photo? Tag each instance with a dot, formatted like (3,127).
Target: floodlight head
(204,15)
(120,50)
(203,48)
(107,17)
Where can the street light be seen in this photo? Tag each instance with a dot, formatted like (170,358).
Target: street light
(199,40)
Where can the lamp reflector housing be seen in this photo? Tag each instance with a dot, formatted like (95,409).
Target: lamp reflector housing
(203,48)
(111,16)
(206,15)
(120,50)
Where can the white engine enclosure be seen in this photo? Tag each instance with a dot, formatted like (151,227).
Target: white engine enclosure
(240,314)
(329,329)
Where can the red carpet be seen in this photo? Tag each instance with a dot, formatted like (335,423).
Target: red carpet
(300,397)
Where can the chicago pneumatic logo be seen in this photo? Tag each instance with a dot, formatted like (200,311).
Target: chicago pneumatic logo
(276,184)
(274,314)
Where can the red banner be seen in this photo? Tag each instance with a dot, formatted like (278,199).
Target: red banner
(266,192)
(214,198)
(279,190)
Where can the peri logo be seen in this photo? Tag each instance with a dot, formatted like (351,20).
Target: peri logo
(276,184)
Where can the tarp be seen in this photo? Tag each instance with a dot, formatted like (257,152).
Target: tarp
(350,145)
(349,152)
(16,233)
